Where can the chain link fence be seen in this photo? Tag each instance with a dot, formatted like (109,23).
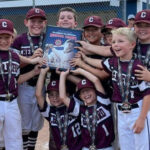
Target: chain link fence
(107,9)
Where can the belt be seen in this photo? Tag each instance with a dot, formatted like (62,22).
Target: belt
(11,98)
(133,106)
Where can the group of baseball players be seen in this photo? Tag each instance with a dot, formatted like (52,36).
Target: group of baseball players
(101,105)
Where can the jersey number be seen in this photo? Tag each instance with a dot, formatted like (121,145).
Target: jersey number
(76,130)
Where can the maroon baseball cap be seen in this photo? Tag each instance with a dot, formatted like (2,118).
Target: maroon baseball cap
(36,12)
(84,83)
(95,21)
(6,26)
(115,23)
(53,85)
(143,16)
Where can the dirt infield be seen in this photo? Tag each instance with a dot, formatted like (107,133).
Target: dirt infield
(43,138)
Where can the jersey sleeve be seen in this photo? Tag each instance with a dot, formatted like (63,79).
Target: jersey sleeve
(46,110)
(16,46)
(144,87)
(106,65)
(103,99)
(74,107)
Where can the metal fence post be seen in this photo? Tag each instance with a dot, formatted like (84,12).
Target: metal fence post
(33,2)
(124,10)
(147,6)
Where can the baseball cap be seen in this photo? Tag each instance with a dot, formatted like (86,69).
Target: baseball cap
(36,12)
(53,85)
(95,21)
(143,16)
(115,23)
(131,16)
(84,83)
(6,26)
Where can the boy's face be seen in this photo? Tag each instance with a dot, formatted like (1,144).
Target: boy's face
(108,38)
(143,32)
(93,34)
(131,21)
(122,46)
(54,98)
(5,41)
(66,20)
(88,96)
(35,25)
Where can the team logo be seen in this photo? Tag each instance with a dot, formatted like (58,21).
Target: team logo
(110,21)
(143,14)
(58,42)
(4,24)
(53,83)
(91,19)
(83,82)
(37,11)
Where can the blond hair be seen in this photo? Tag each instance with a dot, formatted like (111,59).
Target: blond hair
(127,32)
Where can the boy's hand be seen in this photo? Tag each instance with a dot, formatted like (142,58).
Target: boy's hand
(58,71)
(45,70)
(65,73)
(139,125)
(84,47)
(38,53)
(76,62)
(142,73)
(76,72)
(82,55)
(39,60)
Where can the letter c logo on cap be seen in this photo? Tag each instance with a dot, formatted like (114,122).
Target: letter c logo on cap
(110,21)
(91,19)
(37,11)
(4,24)
(143,14)
(53,83)
(83,82)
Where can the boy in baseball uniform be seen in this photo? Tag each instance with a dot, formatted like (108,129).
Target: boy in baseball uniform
(65,128)
(29,45)
(96,120)
(10,118)
(130,94)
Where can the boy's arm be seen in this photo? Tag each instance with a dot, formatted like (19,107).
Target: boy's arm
(97,72)
(26,76)
(73,79)
(34,59)
(92,78)
(140,122)
(25,60)
(62,88)
(39,87)
(91,61)
(100,50)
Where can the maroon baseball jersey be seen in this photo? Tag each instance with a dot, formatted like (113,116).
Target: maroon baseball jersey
(104,125)
(22,46)
(138,89)
(15,66)
(73,130)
